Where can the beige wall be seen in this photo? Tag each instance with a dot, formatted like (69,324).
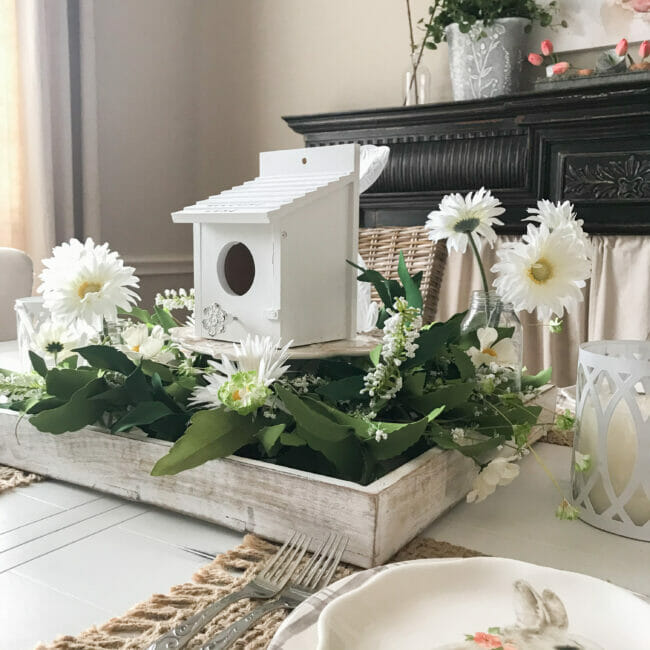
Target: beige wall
(189,91)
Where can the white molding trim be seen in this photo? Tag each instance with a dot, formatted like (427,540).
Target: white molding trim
(161,264)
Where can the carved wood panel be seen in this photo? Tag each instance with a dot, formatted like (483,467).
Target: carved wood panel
(614,177)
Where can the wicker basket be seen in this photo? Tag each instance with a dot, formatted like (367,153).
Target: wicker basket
(380,248)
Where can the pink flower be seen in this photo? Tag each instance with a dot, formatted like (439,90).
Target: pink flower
(485,640)
(642,6)
(547,47)
(536,59)
(644,49)
(561,67)
(621,48)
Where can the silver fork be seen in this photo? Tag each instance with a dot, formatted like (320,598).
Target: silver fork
(314,576)
(271,579)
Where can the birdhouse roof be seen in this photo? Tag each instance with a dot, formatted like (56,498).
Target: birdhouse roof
(288,180)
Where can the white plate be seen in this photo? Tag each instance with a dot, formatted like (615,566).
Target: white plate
(299,631)
(474,603)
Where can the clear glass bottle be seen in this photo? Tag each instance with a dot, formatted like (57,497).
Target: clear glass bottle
(417,82)
(503,346)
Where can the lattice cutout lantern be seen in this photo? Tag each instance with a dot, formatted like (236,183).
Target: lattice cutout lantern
(613,427)
(270,255)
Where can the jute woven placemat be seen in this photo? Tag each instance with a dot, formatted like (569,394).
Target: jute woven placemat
(226,573)
(11,478)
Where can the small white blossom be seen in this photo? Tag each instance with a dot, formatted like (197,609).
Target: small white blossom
(401,330)
(500,471)
(171,299)
(379,434)
(457,434)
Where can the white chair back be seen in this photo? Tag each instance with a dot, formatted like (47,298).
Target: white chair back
(16,281)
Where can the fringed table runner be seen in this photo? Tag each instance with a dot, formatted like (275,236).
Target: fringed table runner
(11,478)
(148,620)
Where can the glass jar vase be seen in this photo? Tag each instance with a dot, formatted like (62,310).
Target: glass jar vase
(417,83)
(496,338)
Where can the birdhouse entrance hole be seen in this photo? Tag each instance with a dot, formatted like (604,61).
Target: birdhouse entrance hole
(236,268)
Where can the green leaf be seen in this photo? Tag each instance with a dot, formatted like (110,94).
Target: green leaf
(107,358)
(291,440)
(79,412)
(150,368)
(536,381)
(431,341)
(169,427)
(375,354)
(315,422)
(449,395)
(472,451)
(400,438)
(342,390)
(163,318)
(357,425)
(414,384)
(38,364)
(377,280)
(269,437)
(64,382)
(44,405)
(462,361)
(345,453)
(142,414)
(211,434)
(411,290)
(160,393)
(139,314)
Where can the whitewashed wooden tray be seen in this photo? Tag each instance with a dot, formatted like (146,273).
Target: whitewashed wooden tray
(254,496)
(360,346)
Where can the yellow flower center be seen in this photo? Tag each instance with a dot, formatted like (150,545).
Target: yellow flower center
(541,271)
(88,287)
(489,351)
(136,348)
(236,395)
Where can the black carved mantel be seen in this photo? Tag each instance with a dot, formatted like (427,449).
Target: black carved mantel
(590,146)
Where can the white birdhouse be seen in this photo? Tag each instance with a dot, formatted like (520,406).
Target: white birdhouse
(270,255)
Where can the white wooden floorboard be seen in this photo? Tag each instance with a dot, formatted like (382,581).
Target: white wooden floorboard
(32,613)
(113,569)
(63,495)
(17,510)
(43,546)
(183,532)
(56,523)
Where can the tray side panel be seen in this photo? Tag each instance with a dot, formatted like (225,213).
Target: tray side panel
(242,496)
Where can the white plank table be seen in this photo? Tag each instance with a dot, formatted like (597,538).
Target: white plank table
(71,557)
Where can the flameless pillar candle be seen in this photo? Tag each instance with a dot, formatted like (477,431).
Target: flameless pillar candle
(613,413)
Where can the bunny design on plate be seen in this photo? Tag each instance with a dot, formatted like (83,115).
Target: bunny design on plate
(542,624)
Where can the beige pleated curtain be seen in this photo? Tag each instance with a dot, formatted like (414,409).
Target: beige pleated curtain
(616,302)
(36,172)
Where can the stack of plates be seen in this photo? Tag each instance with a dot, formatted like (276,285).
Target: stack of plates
(468,604)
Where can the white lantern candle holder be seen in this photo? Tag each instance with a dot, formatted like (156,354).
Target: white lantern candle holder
(613,427)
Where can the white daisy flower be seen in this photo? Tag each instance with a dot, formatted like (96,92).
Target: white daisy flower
(542,272)
(86,282)
(457,217)
(140,343)
(558,215)
(54,341)
(243,383)
(500,471)
(503,352)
